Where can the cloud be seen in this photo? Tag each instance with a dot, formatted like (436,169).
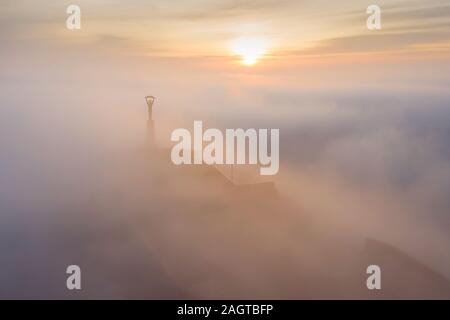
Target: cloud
(364,154)
(233,9)
(378,42)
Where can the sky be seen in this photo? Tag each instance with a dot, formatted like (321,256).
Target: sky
(364,119)
(206,28)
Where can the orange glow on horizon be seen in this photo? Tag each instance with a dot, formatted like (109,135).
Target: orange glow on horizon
(250,49)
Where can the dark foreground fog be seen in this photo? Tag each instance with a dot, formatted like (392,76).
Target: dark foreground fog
(364,179)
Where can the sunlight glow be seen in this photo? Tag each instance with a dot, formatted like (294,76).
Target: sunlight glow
(250,49)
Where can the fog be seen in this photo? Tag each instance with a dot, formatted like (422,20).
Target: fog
(364,178)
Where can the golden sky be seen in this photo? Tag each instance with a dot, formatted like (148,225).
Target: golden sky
(212,28)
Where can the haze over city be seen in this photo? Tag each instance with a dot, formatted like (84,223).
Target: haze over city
(364,175)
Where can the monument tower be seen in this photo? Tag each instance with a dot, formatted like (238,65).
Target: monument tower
(150,123)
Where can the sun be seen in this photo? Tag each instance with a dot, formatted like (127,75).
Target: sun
(250,49)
